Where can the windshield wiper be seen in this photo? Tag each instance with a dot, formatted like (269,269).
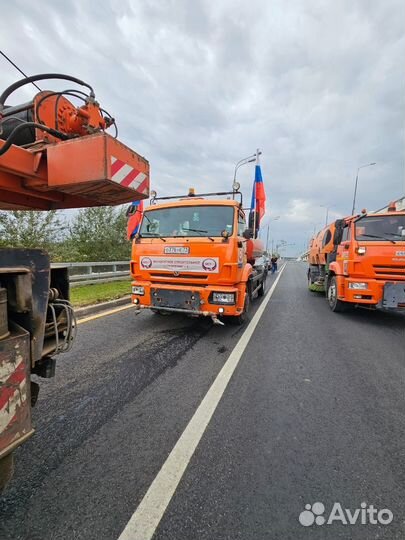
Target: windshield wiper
(379,237)
(396,234)
(155,235)
(197,230)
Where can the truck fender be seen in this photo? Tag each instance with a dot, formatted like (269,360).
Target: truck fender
(246,273)
(334,268)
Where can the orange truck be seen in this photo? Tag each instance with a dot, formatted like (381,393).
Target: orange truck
(53,154)
(360,261)
(195,255)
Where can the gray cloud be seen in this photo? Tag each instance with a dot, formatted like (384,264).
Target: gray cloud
(195,86)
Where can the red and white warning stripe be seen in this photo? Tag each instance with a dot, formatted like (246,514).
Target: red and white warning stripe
(128,176)
(13,397)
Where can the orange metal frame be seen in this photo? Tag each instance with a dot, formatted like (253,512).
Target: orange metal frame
(69,174)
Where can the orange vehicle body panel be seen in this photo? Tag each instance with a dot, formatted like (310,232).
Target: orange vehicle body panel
(229,277)
(72,174)
(317,250)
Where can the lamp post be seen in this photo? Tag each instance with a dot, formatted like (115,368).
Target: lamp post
(357,181)
(268,229)
(244,161)
(280,244)
(327,212)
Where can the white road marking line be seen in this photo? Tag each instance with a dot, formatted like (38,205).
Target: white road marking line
(104,313)
(145,520)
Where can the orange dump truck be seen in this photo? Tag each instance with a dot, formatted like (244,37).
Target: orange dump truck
(360,260)
(196,256)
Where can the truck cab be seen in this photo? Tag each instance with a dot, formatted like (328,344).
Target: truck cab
(370,261)
(360,260)
(193,256)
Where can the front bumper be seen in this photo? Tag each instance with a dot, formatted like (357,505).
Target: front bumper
(381,294)
(189,299)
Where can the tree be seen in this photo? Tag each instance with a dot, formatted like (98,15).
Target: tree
(98,234)
(30,229)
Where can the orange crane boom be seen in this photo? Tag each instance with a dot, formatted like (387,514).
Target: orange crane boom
(53,155)
(57,155)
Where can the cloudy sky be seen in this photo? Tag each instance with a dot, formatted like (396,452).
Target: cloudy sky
(196,85)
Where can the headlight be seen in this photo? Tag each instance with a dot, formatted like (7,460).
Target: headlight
(223,298)
(361,250)
(358,285)
(137,289)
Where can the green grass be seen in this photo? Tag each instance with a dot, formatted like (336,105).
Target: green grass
(85,295)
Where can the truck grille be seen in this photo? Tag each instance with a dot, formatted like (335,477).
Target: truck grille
(179,276)
(392,271)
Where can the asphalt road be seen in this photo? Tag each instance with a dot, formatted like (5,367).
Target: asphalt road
(314,412)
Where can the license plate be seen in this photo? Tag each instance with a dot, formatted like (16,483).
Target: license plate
(174,250)
(175,299)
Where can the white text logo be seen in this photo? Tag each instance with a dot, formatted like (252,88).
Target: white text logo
(314,514)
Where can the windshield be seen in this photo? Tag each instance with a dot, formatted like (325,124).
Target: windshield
(376,228)
(188,221)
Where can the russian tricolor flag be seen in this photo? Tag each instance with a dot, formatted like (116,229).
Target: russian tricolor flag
(134,219)
(258,204)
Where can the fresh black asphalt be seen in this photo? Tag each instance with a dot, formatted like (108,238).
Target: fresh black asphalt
(315,412)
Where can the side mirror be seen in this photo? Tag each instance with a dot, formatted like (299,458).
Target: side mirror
(254,217)
(338,234)
(248,234)
(131,210)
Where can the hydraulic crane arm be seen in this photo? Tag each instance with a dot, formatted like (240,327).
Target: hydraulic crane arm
(57,155)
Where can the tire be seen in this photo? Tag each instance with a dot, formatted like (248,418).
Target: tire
(262,290)
(6,470)
(309,278)
(335,304)
(244,316)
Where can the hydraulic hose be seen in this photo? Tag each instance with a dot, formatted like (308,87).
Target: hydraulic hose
(21,127)
(33,78)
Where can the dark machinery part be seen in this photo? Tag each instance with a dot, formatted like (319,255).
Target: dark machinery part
(21,124)
(3,314)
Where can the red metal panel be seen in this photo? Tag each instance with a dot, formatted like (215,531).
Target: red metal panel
(15,405)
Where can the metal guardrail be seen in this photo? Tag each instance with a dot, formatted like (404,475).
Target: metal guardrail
(87,273)
(304,256)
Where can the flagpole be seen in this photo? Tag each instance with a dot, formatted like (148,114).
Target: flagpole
(254,189)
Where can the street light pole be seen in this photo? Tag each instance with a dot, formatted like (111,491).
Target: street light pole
(357,181)
(327,212)
(244,161)
(268,229)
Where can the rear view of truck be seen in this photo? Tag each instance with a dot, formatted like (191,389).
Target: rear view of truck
(37,322)
(54,154)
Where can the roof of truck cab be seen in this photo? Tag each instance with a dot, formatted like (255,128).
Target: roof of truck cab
(193,201)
